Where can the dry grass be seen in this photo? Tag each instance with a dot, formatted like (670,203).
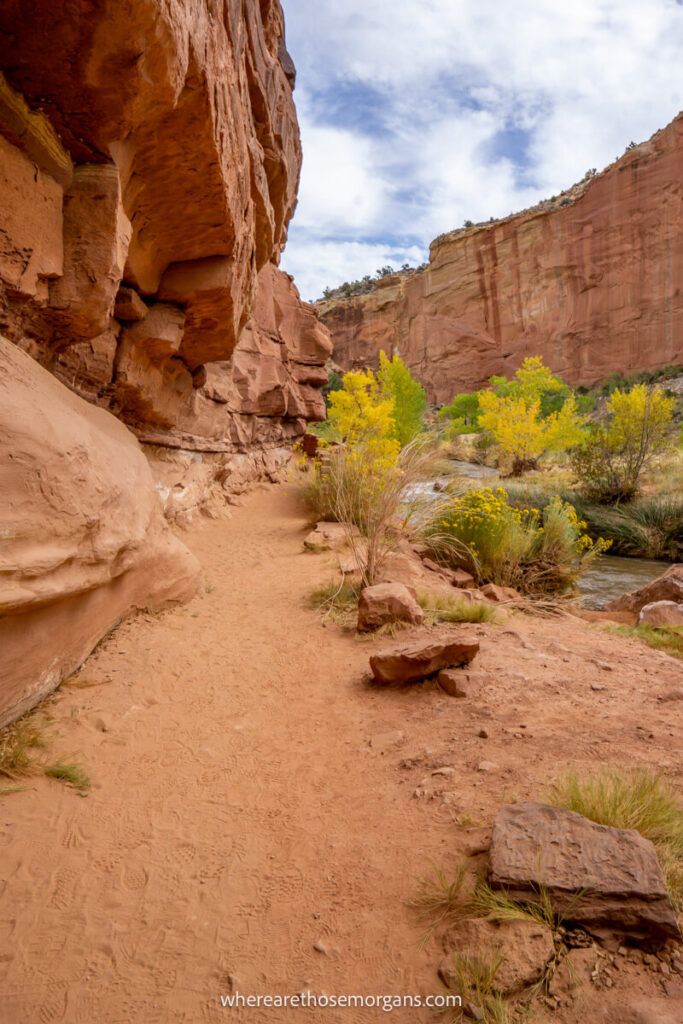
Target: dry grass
(444,608)
(367,494)
(71,774)
(337,599)
(497,905)
(17,745)
(474,979)
(439,900)
(639,800)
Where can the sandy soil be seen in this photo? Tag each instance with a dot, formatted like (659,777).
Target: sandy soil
(240,813)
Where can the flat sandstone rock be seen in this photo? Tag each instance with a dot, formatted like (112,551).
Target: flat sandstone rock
(609,880)
(419,660)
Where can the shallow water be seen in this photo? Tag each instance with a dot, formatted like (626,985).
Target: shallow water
(474,470)
(611,576)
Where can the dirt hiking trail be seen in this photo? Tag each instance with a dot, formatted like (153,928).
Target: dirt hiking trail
(249,801)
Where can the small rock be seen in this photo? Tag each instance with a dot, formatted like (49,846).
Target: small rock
(483,734)
(661,613)
(473,1011)
(598,687)
(320,947)
(612,875)
(486,766)
(670,696)
(668,587)
(329,537)
(388,602)
(128,306)
(386,740)
(500,595)
(461,683)
(445,771)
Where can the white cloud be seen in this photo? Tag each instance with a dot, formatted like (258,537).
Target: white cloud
(338,187)
(316,263)
(447,80)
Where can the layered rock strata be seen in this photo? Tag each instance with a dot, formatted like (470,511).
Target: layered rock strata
(591,281)
(144,201)
(149,165)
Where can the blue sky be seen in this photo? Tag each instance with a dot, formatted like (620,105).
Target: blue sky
(419,114)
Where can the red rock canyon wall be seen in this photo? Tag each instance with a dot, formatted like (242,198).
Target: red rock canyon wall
(149,165)
(592,282)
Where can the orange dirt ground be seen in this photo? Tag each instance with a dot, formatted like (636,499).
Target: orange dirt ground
(239,814)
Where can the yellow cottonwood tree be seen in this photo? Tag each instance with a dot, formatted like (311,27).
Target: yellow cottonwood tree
(360,415)
(521,432)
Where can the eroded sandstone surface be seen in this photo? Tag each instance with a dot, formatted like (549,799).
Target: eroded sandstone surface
(149,166)
(83,534)
(145,194)
(590,281)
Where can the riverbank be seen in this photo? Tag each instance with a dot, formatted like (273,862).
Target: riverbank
(259,815)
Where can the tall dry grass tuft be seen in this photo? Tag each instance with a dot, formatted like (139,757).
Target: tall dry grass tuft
(355,487)
(640,800)
(18,742)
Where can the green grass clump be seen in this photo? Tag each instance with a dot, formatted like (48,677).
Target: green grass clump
(650,527)
(639,800)
(497,905)
(336,596)
(17,744)
(663,638)
(444,608)
(72,774)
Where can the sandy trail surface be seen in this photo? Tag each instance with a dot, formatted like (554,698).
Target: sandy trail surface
(249,801)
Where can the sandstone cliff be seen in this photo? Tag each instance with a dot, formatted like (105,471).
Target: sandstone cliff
(592,282)
(149,165)
(84,539)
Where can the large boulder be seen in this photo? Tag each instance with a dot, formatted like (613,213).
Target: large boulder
(84,539)
(667,587)
(416,661)
(607,879)
(661,613)
(388,602)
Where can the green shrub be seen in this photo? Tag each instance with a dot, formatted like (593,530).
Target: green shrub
(18,742)
(537,551)
(636,429)
(71,774)
(661,638)
(361,487)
